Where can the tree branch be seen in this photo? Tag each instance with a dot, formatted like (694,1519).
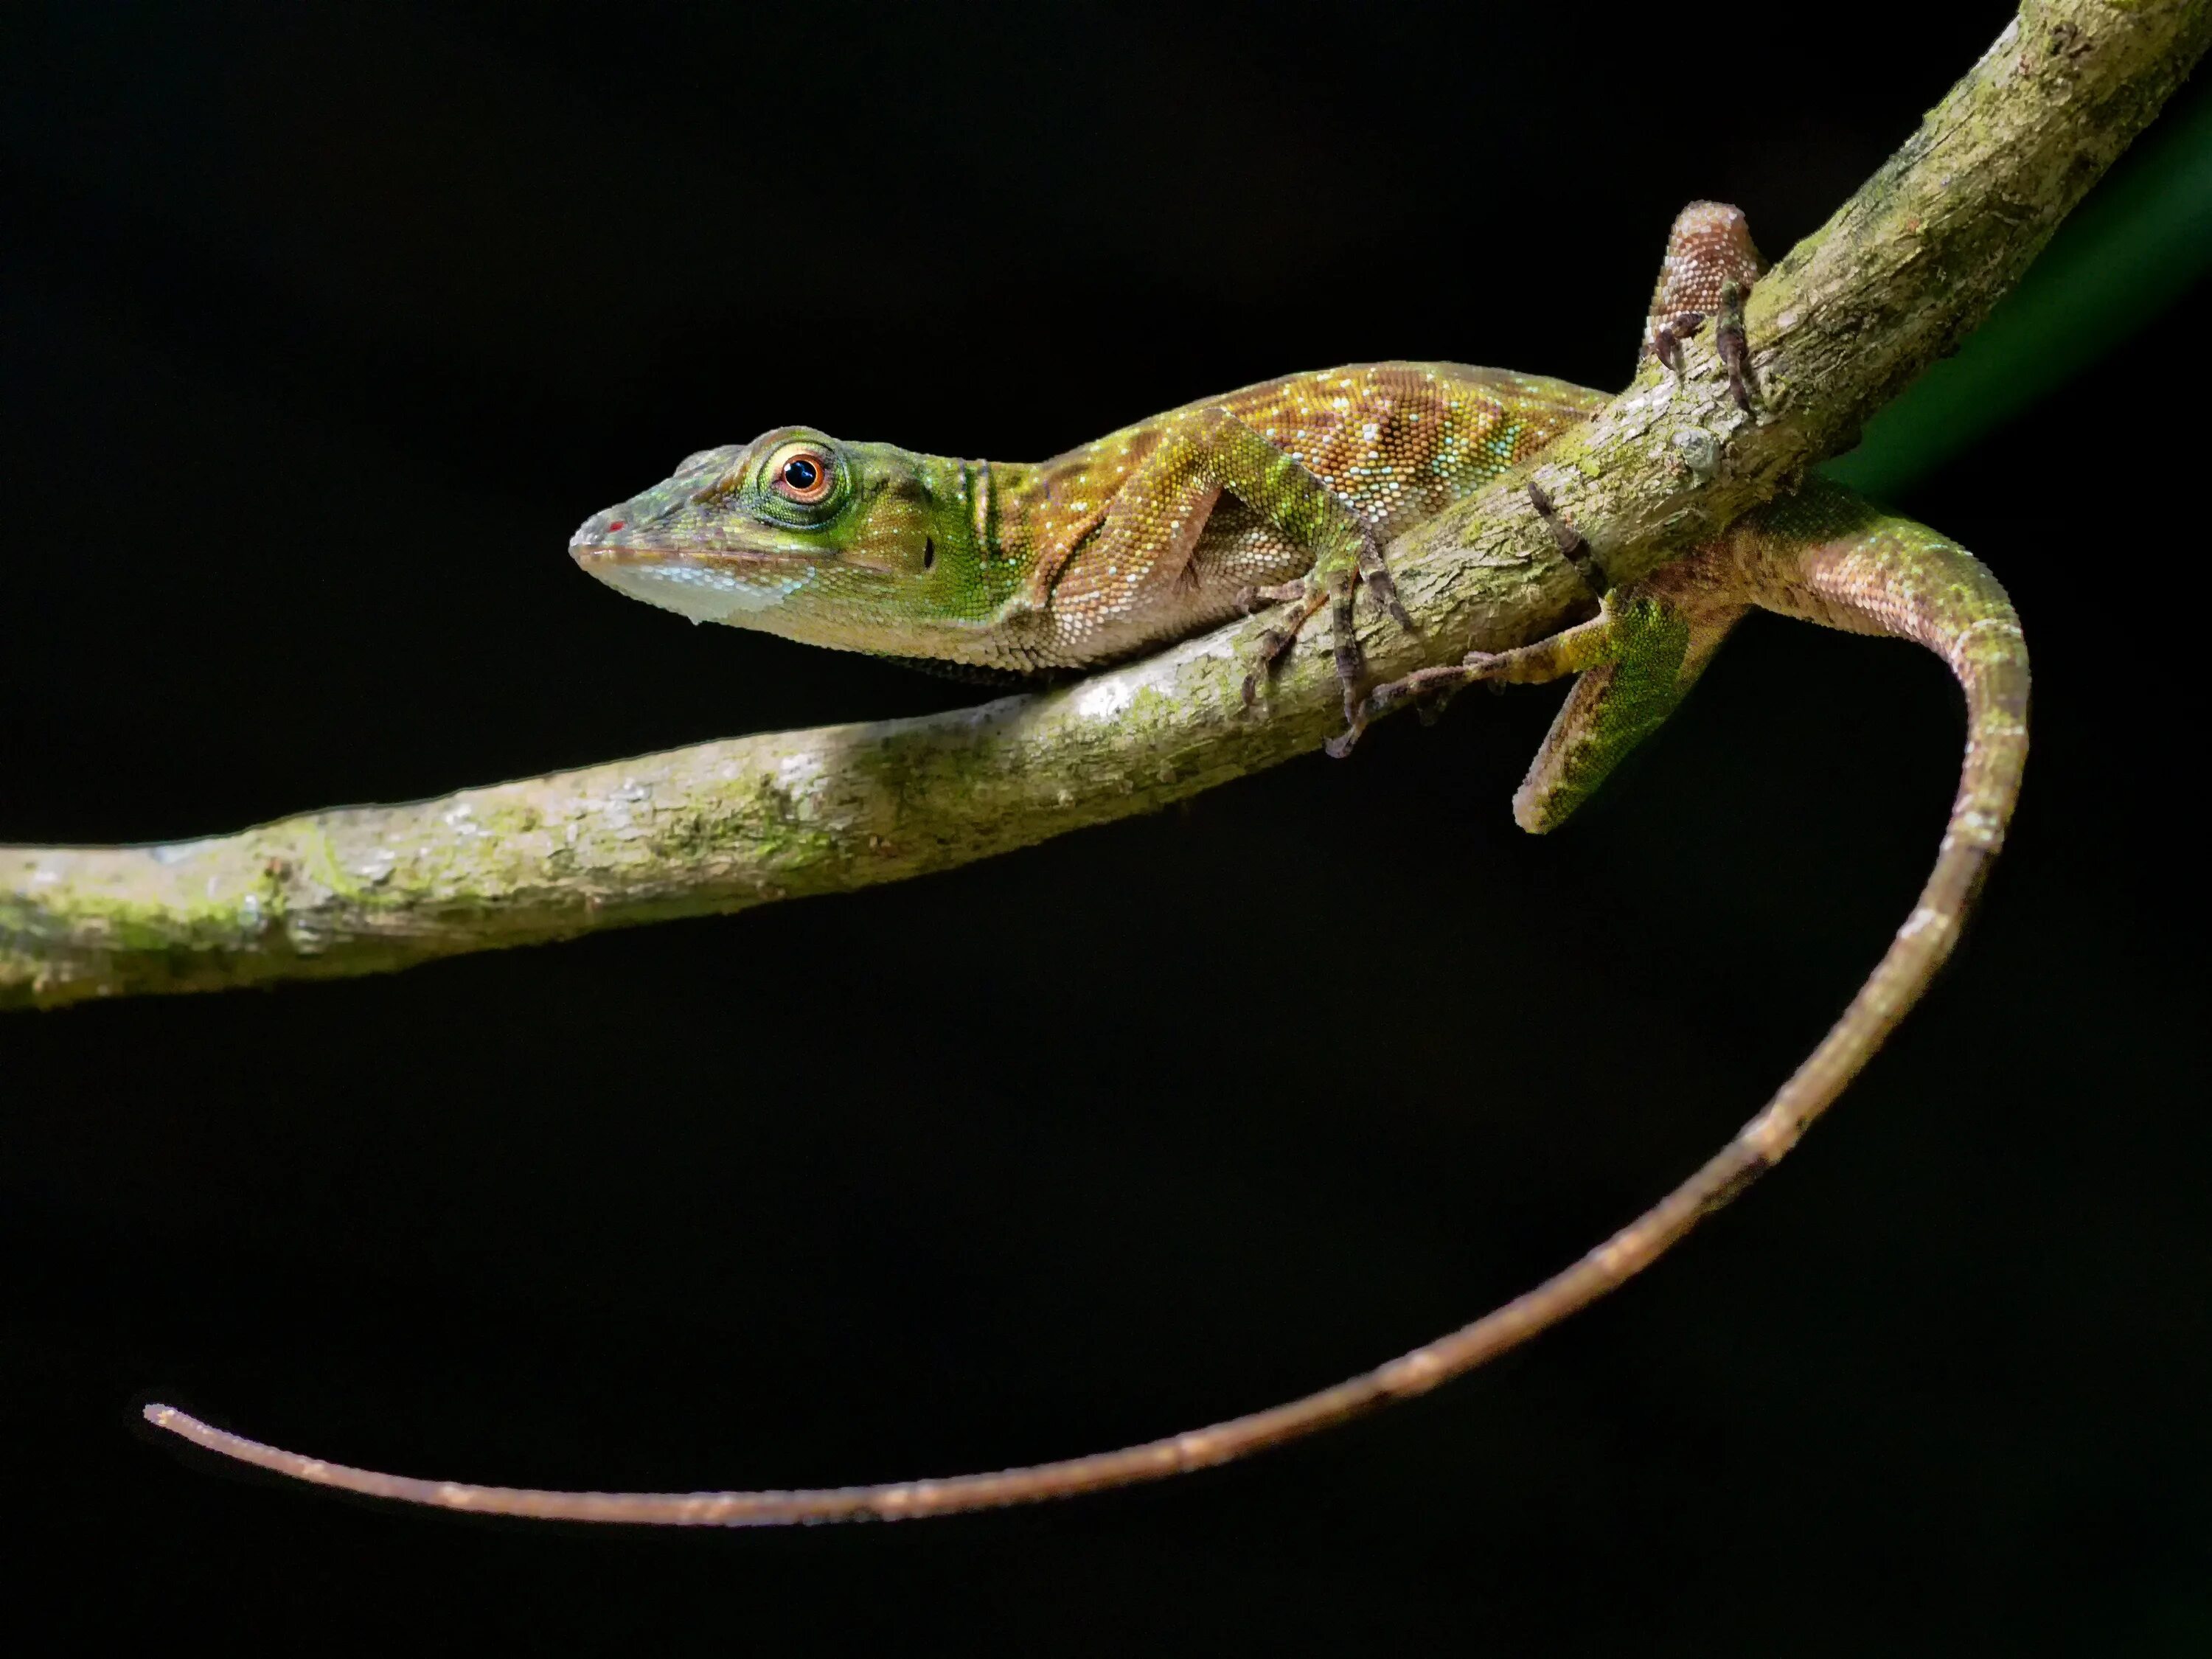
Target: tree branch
(1901,273)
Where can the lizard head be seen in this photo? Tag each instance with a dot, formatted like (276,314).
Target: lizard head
(861,546)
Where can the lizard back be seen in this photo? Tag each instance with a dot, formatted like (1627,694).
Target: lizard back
(1397,442)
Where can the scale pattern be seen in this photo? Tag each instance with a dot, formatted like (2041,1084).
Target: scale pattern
(1393,442)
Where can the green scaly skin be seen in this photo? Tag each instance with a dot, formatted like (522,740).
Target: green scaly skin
(1288,491)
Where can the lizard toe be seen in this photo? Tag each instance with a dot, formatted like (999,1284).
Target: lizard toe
(1274,644)
(1382,587)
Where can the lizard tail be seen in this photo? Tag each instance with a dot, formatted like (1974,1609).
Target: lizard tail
(1963,616)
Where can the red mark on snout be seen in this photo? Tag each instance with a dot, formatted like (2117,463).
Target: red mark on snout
(615,526)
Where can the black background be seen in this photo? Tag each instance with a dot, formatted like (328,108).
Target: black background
(319,329)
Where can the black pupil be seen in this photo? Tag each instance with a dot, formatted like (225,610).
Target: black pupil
(801,474)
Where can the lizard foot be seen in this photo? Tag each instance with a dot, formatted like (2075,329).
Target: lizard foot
(1307,596)
(1572,545)
(1728,342)
(1339,592)
(1427,688)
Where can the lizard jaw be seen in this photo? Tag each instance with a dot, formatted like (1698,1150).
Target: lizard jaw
(719,587)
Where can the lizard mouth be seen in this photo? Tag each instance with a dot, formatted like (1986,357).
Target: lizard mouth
(707,584)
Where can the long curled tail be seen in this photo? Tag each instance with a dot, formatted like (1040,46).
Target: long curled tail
(1889,577)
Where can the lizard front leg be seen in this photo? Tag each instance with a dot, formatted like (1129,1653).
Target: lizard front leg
(1141,554)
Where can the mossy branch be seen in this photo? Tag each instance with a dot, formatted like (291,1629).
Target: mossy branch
(1901,273)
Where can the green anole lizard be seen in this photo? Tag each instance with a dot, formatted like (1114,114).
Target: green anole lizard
(1287,493)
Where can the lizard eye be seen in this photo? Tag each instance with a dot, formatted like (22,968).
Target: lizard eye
(797,479)
(804,476)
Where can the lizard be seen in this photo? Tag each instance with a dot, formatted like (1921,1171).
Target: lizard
(1288,494)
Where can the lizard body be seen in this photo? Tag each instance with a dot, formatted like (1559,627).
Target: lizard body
(1287,491)
(1144,536)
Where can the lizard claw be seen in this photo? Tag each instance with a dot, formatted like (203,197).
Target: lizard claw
(1729,342)
(1381,588)
(1249,600)
(1573,548)
(1272,644)
(1667,338)
(1308,596)
(1275,641)
(1734,350)
(1428,688)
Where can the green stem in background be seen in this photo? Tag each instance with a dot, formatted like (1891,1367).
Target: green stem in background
(2134,249)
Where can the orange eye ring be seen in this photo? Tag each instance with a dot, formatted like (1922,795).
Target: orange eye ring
(804,476)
